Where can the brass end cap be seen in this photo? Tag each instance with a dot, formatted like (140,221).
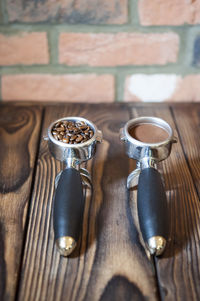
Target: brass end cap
(65,245)
(156,245)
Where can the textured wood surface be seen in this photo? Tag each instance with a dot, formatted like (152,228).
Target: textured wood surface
(110,262)
(19,133)
(179,268)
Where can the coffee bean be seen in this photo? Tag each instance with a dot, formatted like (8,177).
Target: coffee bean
(70,124)
(66,140)
(72,132)
(79,138)
(76,130)
(87,129)
(91,134)
(59,129)
(57,124)
(79,123)
(83,127)
(73,138)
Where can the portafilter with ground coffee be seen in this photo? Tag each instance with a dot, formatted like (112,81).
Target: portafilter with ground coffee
(149,140)
(71,140)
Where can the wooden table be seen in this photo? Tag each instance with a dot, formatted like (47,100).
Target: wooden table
(110,262)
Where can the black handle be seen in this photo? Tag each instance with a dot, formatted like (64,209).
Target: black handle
(152,205)
(68,205)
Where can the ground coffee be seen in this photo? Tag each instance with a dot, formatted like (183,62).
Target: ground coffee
(148,133)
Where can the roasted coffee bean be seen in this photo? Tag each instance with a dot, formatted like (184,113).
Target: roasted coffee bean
(87,129)
(72,132)
(70,124)
(79,138)
(76,130)
(73,138)
(59,129)
(66,140)
(91,134)
(83,127)
(57,124)
(79,123)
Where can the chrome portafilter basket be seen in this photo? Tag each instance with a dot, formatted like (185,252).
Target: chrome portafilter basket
(68,200)
(151,197)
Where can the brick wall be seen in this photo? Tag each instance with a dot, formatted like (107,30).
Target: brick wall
(100,51)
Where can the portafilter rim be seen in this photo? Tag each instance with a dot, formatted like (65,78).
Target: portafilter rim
(79,145)
(148,120)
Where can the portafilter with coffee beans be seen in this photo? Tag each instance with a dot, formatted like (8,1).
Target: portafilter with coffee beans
(149,140)
(71,140)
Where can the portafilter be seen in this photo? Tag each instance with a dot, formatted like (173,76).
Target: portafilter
(149,140)
(67,145)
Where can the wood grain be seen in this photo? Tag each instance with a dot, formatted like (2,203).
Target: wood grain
(109,263)
(19,133)
(187,119)
(179,268)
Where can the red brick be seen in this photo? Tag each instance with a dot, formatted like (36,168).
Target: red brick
(68,11)
(24,48)
(162,87)
(68,87)
(169,12)
(188,89)
(118,49)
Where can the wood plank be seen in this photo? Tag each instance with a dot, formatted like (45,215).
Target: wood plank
(19,133)
(179,268)
(109,263)
(187,119)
